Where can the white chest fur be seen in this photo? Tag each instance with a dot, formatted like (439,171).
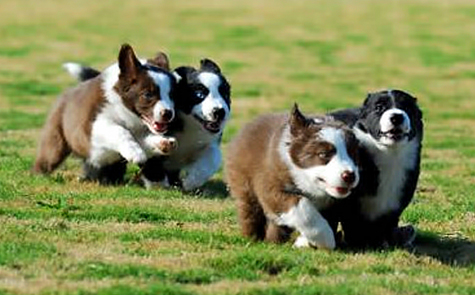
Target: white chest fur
(192,142)
(393,164)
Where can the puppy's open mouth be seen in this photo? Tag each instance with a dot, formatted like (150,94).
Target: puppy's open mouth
(395,134)
(155,126)
(337,191)
(211,126)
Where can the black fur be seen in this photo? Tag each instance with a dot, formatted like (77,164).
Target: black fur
(359,230)
(110,174)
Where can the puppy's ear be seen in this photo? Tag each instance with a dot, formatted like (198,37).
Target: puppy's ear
(366,101)
(181,73)
(160,60)
(129,65)
(297,121)
(209,65)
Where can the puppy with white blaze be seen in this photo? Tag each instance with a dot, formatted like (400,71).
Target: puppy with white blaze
(285,171)
(118,116)
(203,104)
(389,128)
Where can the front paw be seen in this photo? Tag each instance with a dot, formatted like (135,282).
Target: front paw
(302,242)
(162,145)
(135,155)
(167,145)
(324,243)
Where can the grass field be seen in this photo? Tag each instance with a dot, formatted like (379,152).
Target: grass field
(61,236)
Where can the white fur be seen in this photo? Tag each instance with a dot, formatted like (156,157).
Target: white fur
(386,124)
(198,172)
(213,100)
(308,179)
(340,163)
(165,102)
(393,162)
(74,69)
(313,228)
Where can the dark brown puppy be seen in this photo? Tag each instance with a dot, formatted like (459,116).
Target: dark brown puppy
(283,170)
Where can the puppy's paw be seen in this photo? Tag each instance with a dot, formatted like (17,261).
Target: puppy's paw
(322,243)
(302,242)
(167,145)
(134,154)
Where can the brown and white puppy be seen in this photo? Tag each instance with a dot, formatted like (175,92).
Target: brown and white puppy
(283,170)
(117,117)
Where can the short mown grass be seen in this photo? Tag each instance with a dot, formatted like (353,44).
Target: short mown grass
(59,235)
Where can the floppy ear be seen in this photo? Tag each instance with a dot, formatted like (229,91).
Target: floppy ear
(297,121)
(129,65)
(160,60)
(209,65)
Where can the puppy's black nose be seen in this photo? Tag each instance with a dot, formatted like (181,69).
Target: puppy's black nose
(218,114)
(348,176)
(167,115)
(396,119)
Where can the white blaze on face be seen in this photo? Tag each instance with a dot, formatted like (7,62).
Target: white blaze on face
(340,163)
(165,102)
(326,179)
(386,124)
(213,100)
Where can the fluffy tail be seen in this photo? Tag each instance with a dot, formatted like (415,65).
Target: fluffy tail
(80,72)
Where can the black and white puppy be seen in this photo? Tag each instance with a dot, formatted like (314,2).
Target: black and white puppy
(202,105)
(389,128)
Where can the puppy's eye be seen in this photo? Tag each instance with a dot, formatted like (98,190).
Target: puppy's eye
(148,95)
(323,155)
(200,94)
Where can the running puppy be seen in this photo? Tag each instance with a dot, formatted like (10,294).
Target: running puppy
(389,128)
(116,117)
(284,170)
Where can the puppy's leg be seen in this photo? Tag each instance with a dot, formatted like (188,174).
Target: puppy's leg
(108,136)
(196,174)
(108,174)
(53,148)
(251,216)
(277,234)
(153,174)
(313,228)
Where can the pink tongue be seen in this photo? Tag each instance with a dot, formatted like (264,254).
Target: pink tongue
(342,190)
(159,127)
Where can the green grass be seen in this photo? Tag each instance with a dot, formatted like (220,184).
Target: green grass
(62,236)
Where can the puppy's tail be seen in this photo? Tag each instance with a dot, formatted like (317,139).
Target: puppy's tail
(80,72)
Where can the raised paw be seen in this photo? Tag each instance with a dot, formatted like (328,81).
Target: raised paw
(167,145)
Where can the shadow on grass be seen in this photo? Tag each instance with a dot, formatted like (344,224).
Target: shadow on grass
(213,189)
(452,250)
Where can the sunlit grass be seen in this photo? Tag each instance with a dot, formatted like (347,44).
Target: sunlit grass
(59,235)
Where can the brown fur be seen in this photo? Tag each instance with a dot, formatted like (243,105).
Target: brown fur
(68,127)
(259,179)
(160,60)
